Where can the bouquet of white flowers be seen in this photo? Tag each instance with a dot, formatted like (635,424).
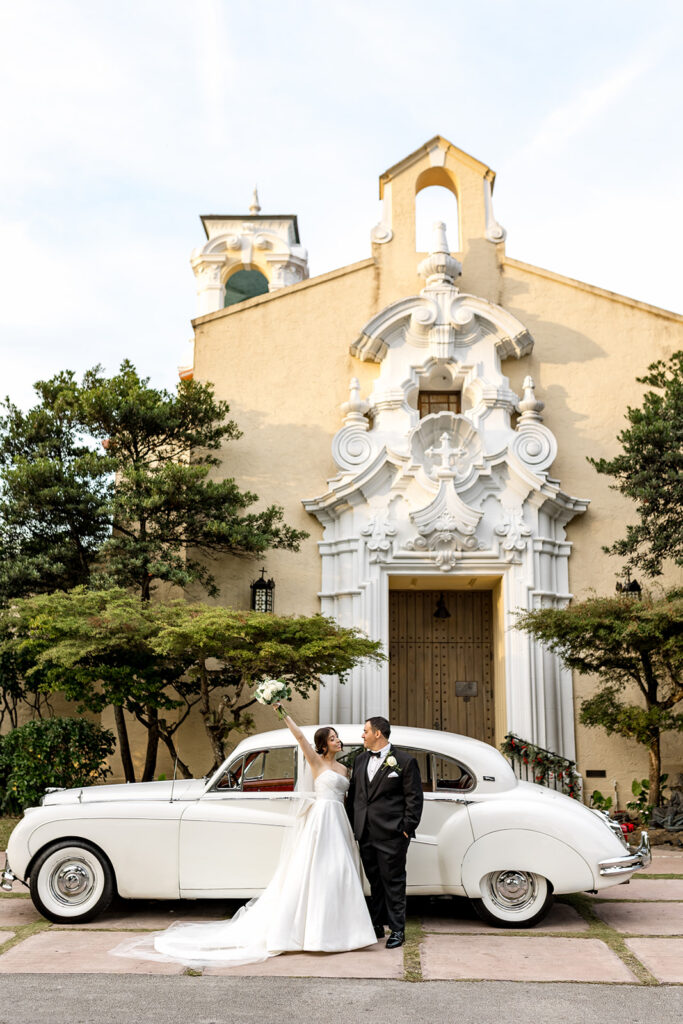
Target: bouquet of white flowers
(270,691)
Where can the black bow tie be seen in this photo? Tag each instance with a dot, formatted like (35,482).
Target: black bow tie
(375,753)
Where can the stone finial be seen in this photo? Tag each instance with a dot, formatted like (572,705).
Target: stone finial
(255,207)
(530,407)
(439,268)
(355,409)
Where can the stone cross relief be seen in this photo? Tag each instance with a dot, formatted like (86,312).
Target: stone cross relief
(447,456)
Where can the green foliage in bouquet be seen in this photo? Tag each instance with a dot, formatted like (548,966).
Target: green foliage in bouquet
(65,752)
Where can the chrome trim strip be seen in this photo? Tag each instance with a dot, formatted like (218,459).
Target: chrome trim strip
(639,858)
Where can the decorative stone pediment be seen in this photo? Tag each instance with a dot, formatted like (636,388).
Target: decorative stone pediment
(462,494)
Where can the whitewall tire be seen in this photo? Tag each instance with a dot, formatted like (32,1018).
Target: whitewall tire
(71,882)
(513,898)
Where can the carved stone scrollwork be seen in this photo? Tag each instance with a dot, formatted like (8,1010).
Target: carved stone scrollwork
(513,528)
(351,448)
(380,531)
(533,444)
(446,527)
(381,234)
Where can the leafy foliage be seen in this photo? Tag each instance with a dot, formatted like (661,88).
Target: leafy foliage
(167,514)
(625,642)
(650,471)
(156,661)
(233,651)
(540,765)
(640,805)
(54,494)
(65,752)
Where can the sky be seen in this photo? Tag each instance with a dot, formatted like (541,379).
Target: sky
(122,122)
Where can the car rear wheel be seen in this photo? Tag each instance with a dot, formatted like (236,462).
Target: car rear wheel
(514,899)
(71,882)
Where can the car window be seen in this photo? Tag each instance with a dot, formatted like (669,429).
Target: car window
(424,763)
(348,756)
(261,771)
(451,775)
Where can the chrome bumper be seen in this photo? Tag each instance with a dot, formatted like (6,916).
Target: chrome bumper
(6,879)
(624,865)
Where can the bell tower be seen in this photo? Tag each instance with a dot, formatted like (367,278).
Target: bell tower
(246,255)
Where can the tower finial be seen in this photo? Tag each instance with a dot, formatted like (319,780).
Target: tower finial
(439,268)
(255,208)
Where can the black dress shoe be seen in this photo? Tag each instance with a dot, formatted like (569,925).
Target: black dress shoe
(395,939)
(379,931)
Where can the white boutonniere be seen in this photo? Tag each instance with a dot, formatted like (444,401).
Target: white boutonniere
(391,762)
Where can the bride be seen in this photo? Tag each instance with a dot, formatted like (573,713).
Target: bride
(314,901)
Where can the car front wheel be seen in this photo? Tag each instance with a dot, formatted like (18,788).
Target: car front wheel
(71,882)
(514,899)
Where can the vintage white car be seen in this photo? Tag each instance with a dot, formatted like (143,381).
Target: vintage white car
(505,844)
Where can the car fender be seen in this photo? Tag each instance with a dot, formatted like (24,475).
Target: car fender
(525,850)
(140,843)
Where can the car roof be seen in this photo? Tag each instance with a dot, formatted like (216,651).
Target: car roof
(481,758)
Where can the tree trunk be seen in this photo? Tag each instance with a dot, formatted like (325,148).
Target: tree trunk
(124,745)
(152,743)
(655,769)
(214,729)
(184,769)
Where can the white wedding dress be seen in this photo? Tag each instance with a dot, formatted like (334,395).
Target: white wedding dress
(314,901)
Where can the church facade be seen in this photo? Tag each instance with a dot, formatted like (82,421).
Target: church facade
(427,418)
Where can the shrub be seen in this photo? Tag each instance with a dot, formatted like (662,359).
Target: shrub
(65,752)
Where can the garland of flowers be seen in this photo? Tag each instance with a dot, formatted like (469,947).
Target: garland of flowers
(542,764)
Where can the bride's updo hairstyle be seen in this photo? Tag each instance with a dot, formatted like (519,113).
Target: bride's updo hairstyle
(321,738)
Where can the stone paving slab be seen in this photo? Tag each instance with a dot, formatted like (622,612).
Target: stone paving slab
(18,912)
(5,936)
(77,952)
(150,916)
(663,957)
(644,918)
(645,889)
(666,862)
(560,919)
(373,962)
(516,958)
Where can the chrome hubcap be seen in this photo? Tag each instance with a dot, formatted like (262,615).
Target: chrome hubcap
(512,890)
(72,882)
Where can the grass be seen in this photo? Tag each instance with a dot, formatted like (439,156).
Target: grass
(6,826)
(412,965)
(22,932)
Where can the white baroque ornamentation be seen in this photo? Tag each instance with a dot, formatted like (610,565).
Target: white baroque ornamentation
(512,527)
(446,527)
(533,444)
(380,532)
(418,497)
(351,446)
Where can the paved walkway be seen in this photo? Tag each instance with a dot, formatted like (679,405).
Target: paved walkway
(632,934)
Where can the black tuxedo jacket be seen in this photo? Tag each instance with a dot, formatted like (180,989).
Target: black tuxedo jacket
(389,805)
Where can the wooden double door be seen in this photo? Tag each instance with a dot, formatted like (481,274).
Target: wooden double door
(441,668)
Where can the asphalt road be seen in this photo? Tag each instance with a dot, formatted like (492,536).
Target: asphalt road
(136,999)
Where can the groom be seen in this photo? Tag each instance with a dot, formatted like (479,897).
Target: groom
(384,805)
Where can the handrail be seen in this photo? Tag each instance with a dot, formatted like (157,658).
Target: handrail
(532,763)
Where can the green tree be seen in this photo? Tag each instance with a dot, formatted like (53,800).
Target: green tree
(158,661)
(94,647)
(55,489)
(169,517)
(232,651)
(650,471)
(627,643)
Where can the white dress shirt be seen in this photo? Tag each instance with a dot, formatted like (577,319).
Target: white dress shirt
(375,763)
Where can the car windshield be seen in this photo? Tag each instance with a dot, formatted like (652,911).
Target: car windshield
(272,770)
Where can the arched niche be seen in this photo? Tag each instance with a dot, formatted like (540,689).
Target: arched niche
(436,199)
(244,284)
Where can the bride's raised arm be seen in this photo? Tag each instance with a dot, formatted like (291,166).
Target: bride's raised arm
(313,758)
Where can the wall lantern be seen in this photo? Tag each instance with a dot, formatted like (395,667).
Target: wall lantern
(631,588)
(262,594)
(442,611)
